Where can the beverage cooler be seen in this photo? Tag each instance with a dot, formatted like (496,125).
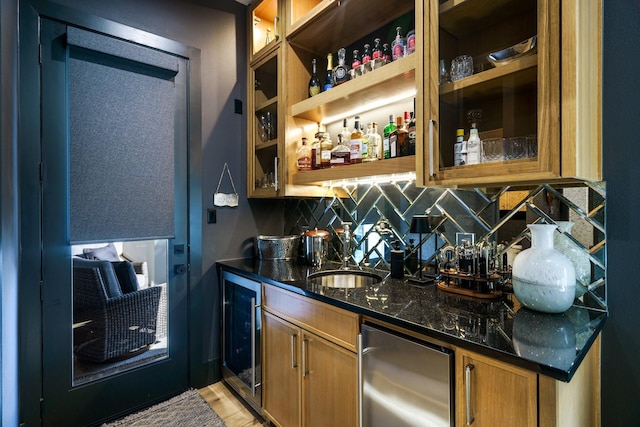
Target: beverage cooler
(241,310)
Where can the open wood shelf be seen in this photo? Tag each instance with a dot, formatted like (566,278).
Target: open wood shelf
(365,92)
(361,170)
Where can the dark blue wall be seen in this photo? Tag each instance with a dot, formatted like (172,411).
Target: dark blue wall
(621,113)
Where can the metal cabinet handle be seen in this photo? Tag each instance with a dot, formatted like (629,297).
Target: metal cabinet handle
(305,342)
(275,27)
(360,379)
(431,155)
(467,385)
(275,173)
(294,362)
(253,347)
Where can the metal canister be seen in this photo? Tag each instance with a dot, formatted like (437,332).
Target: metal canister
(316,245)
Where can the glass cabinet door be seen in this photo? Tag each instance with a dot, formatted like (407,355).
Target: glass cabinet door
(262,163)
(490,66)
(265,27)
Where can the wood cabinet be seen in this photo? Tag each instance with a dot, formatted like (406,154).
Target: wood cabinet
(310,363)
(552,96)
(490,393)
(311,29)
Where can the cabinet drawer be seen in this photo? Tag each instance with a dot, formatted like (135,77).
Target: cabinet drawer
(332,323)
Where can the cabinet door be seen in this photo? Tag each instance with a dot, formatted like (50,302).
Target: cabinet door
(264,122)
(265,26)
(490,393)
(329,383)
(281,375)
(526,110)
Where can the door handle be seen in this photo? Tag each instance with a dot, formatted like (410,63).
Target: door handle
(305,342)
(467,394)
(294,362)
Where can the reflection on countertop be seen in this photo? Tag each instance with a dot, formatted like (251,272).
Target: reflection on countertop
(551,344)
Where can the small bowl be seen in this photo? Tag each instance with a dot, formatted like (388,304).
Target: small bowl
(505,56)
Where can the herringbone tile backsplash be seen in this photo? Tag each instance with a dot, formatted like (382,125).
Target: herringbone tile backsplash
(381,216)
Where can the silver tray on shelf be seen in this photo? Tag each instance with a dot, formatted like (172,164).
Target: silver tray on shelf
(505,56)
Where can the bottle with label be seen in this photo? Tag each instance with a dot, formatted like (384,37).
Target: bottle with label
(474,147)
(346,133)
(315,150)
(374,144)
(386,53)
(328,77)
(303,155)
(341,153)
(411,42)
(390,127)
(376,55)
(365,143)
(411,128)
(402,137)
(355,142)
(325,150)
(314,81)
(341,71)
(457,148)
(397,46)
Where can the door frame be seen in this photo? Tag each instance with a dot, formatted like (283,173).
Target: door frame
(29,155)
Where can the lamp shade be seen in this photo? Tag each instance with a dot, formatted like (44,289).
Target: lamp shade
(420,224)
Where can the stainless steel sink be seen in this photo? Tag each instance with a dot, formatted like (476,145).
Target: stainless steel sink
(344,279)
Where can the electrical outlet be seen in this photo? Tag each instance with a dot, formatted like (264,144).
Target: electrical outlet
(237,106)
(211,216)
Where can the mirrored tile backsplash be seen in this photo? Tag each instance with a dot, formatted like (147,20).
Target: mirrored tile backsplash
(381,216)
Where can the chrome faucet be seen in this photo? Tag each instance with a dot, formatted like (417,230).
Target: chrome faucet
(346,243)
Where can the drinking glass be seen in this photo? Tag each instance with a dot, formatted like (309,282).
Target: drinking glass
(532,145)
(492,150)
(516,148)
(461,67)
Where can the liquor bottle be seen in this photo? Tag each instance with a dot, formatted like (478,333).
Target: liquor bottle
(374,144)
(365,143)
(341,154)
(315,150)
(377,48)
(474,145)
(346,133)
(314,81)
(325,150)
(355,62)
(303,155)
(328,77)
(386,53)
(390,127)
(397,46)
(457,148)
(355,142)
(341,71)
(366,54)
(402,137)
(411,128)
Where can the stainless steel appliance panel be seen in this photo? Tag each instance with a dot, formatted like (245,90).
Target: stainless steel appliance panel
(404,382)
(241,365)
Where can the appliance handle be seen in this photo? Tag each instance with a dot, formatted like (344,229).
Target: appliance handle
(360,379)
(467,389)
(431,162)
(294,362)
(253,346)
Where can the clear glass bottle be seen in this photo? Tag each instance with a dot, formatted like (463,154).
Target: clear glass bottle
(315,150)
(340,154)
(410,42)
(314,81)
(341,71)
(365,143)
(355,142)
(346,133)
(325,150)
(374,145)
(303,156)
(397,46)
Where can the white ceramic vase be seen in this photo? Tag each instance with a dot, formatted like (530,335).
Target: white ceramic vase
(576,255)
(544,278)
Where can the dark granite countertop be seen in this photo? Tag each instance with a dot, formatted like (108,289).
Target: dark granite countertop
(550,344)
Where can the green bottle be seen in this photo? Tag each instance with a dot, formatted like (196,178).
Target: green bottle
(388,129)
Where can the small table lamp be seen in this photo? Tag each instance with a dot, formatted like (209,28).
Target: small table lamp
(420,225)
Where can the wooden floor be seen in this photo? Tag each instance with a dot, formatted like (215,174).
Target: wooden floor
(232,411)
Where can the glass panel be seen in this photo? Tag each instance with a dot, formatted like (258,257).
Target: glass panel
(238,324)
(265,24)
(120,307)
(488,81)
